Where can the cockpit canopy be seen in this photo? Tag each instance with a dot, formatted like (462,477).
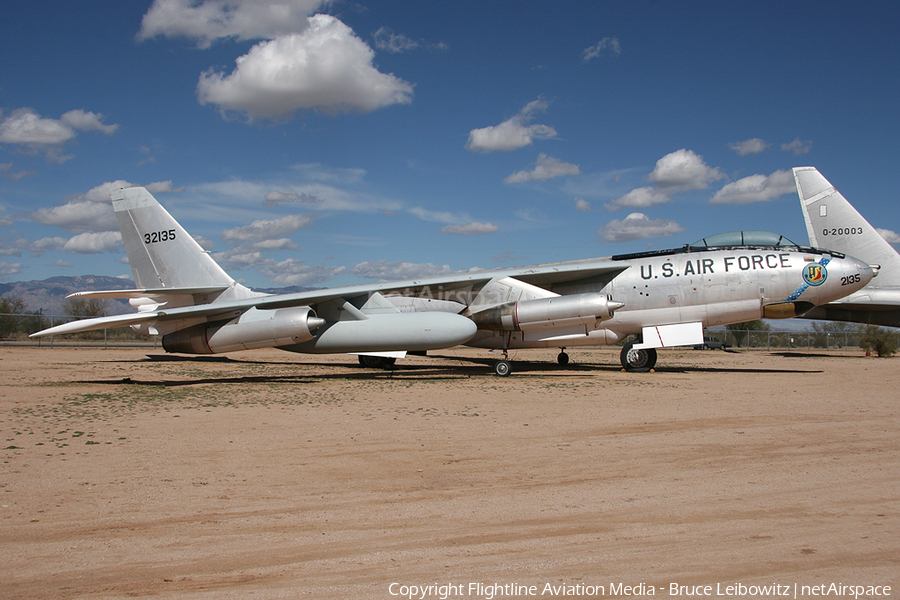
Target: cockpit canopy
(734,239)
(743,238)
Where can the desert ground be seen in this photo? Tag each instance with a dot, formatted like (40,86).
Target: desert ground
(129,473)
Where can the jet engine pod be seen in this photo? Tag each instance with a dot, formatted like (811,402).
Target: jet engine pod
(548,313)
(255,328)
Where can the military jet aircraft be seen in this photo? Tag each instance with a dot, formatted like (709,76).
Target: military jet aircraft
(833,222)
(665,298)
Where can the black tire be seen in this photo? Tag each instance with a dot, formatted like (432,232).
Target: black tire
(563,358)
(502,368)
(637,361)
(376,362)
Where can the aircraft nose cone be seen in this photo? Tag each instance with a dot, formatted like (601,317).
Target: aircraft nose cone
(852,274)
(866,271)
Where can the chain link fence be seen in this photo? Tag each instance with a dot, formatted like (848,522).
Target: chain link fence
(786,340)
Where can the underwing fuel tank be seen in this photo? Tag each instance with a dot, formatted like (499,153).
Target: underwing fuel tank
(558,312)
(255,328)
(389,333)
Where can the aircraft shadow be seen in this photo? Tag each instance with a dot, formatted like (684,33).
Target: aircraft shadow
(460,368)
(795,354)
(529,366)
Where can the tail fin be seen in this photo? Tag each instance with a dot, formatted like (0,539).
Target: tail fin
(160,251)
(833,223)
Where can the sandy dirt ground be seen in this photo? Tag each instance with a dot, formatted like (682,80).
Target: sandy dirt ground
(128,473)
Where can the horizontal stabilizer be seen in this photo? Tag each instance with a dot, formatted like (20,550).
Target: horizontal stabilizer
(99,323)
(217,311)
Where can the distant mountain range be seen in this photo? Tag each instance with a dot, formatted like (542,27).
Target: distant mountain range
(48,295)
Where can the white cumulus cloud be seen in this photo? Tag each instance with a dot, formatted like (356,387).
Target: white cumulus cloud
(638,226)
(80,215)
(512,134)
(582,205)
(91,211)
(325,68)
(891,237)
(276,244)
(756,188)
(42,245)
(267,229)
(293,271)
(683,170)
(35,134)
(751,146)
(93,243)
(641,197)
(210,20)
(546,167)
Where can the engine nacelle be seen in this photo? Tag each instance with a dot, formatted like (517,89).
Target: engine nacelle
(253,329)
(558,312)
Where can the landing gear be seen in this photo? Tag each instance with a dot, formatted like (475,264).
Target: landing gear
(502,368)
(637,361)
(376,362)
(563,358)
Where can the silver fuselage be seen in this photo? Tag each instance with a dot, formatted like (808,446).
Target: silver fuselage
(713,287)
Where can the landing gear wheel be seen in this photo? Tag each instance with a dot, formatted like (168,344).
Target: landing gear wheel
(637,361)
(562,359)
(376,362)
(502,368)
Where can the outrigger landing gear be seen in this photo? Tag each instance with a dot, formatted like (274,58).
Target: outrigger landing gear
(637,361)
(503,367)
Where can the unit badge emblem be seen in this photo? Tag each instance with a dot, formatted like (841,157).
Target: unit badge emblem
(815,274)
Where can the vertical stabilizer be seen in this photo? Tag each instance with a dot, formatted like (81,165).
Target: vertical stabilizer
(161,253)
(832,223)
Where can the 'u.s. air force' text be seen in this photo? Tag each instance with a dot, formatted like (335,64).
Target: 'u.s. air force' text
(725,264)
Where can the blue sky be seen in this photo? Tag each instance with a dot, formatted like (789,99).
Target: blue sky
(330,143)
